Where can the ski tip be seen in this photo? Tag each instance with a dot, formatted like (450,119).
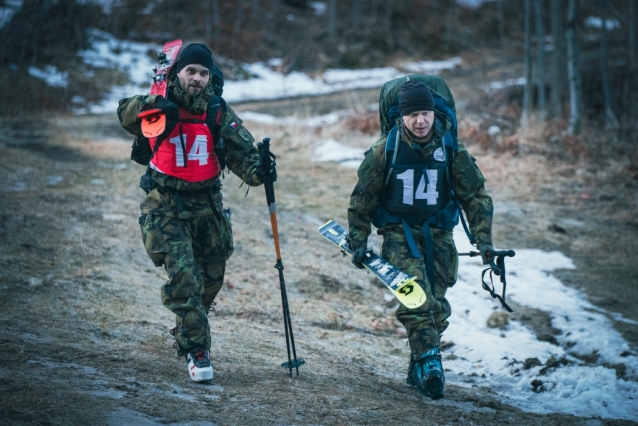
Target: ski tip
(326,224)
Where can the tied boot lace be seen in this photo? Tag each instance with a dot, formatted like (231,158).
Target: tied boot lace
(426,372)
(199,365)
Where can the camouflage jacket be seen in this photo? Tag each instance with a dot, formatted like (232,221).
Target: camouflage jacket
(467,184)
(241,156)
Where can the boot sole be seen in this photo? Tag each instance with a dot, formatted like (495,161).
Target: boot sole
(434,388)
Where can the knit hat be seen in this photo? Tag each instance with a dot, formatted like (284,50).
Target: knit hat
(415,96)
(194,53)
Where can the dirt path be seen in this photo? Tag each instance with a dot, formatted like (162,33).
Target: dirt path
(84,336)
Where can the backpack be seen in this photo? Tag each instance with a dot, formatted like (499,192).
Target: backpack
(141,151)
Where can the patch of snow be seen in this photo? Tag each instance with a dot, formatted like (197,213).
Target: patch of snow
(332,151)
(10,8)
(493,130)
(319,7)
(496,357)
(432,67)
(497,85)
(597,22)
(53,180)
(50,75)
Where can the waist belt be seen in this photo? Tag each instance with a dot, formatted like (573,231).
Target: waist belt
(437,221)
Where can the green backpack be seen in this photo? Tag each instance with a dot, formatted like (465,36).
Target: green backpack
(389,99)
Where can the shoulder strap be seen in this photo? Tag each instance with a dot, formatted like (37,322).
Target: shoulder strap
(390,154)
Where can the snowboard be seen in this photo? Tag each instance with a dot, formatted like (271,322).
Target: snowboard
(153,121)
(404,287)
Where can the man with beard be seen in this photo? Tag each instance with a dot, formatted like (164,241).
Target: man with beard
(184,226)
(411,193)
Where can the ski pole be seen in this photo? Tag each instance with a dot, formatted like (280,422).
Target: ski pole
(495,254)
(499,256)
(266,158)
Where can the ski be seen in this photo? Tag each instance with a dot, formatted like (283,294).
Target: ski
(405,288)
(153,121)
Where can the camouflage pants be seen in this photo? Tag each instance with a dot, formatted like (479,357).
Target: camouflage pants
(426,324)
(194,253)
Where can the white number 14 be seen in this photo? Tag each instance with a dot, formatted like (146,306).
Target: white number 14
(423,191)
(198,152)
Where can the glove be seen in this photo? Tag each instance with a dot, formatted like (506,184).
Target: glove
(267,172)
(358,257)
(486,253)
(169,109)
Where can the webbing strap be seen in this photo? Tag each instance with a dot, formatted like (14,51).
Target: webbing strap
(500,263)
(429,249)
(429,254)
(410,239)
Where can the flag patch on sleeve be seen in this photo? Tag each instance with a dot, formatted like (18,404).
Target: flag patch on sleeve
(233,125)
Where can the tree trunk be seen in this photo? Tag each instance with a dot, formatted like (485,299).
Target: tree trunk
(540,65)
(575,88)
(527,94)
(238,20)
(501,28)
(387,15)
(632,35)
(332,16)
(272,19)
(610,118)
(356,15)
(372,21)
(217,22)
(556,94)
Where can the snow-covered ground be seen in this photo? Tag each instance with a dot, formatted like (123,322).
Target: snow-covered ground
(132,58)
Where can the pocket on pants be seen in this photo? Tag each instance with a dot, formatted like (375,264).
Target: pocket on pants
(152,238)
(221,232)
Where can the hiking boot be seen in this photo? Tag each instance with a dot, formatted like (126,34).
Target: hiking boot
(199,367)
(426,373)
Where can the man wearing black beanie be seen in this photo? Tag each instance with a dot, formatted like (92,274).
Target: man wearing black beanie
(184,226)
(412,184)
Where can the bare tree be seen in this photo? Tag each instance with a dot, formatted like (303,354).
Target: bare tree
(575,88)
(387,15)
(272,18)
(556,98)
(527,94)
(610,118)
(540,63)
(213,21)
(356,14)
(373,13)
(238,20)
(632,35)
(332,16)
(501,27)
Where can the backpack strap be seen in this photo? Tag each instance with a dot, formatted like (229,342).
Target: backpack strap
(216,112)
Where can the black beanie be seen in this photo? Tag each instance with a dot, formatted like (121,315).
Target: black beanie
(415,96)
(194,54)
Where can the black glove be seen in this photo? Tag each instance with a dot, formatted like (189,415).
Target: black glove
(358,257)
(266,171)
(171,111)
(486,253)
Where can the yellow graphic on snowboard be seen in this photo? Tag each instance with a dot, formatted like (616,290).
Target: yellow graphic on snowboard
(405,288)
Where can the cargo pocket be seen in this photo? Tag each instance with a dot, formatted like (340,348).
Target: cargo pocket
(222,231)
(152,238)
